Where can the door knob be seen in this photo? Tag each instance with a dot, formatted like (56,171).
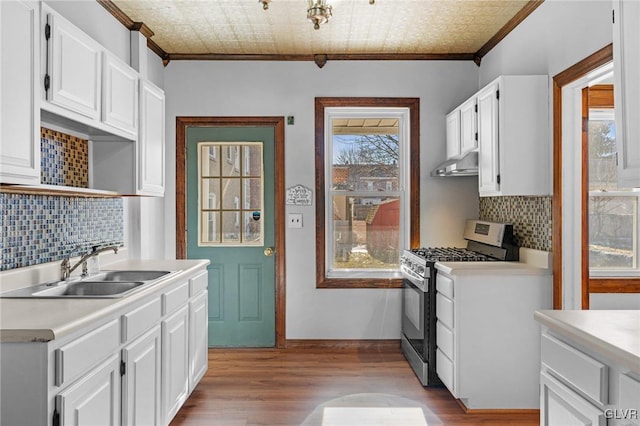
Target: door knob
(269,251)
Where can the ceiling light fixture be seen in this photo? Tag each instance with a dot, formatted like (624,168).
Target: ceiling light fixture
(265,3)
(319,12)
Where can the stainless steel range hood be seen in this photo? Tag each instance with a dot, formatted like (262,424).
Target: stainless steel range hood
(465,166)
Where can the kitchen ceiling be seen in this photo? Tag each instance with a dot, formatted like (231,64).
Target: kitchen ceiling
(387,29)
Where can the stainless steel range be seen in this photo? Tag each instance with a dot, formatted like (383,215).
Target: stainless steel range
(486,242)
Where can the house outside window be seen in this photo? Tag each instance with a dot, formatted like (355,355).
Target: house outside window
(369,194)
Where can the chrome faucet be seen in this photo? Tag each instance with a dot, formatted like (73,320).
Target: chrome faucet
(66,269)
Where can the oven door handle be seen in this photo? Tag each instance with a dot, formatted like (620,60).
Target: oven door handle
(418,282)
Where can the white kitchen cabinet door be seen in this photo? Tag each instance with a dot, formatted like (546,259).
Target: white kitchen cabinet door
(175,362)
(141,384)
(119,94)
(94,399)
(488,140)
(151,140)
(513,139)
(198,339)
(453,134)
(626,58)
(468,126)
(19,93)
(74,68)
(561,406)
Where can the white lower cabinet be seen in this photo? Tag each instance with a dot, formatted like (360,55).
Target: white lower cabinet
(198,341)
(175,362)
(92,400)
(561,406)
(579,386)
(486,337)
(135,366)
(141,383)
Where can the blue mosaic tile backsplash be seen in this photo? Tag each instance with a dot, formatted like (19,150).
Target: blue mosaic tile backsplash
(42,228)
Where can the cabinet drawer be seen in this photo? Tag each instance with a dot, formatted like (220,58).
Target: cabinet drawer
(444,339)
(630,399)
(559,405)
(174,298)
(576,369)
(444,368)
(141,319)
(198,284)
(75,358)
(444,285)
(444,310)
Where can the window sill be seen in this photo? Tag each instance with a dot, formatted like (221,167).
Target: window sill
(614,285)
(359,283)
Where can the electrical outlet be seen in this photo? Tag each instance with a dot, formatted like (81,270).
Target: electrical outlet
(294,220)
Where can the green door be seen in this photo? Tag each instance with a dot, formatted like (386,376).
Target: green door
(230,221)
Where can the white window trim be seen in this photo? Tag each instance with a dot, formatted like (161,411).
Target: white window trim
(404,135)
(609,115)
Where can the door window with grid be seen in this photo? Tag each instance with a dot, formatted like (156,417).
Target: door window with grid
(231,181)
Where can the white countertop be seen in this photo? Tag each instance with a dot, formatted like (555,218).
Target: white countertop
(42,320)
(614,334)
(491,268)
(532,262)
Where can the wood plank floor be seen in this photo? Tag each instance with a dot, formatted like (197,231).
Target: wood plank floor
(283,387)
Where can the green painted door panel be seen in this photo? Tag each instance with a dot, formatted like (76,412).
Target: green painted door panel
(241,277)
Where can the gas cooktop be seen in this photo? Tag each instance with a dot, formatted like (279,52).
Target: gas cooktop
(450,254)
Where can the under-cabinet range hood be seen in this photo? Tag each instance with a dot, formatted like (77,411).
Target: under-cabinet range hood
(465,166)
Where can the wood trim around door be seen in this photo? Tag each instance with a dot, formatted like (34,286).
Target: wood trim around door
(584,205)
(571,74)
(181,182)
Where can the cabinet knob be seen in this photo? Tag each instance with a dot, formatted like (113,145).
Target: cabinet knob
(269,251)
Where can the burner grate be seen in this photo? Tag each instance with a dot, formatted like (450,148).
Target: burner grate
(450,254)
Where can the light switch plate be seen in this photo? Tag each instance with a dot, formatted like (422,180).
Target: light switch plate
(294,220)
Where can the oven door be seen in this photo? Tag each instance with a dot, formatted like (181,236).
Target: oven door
(415,299)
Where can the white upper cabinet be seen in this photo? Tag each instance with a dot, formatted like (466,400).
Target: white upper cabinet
(513,137)
(468,126)
(119,94)
(73,68)
(453,134)
(19,96)
(84,86)
(151,140)
(626,58)
(462,130)
(488,136)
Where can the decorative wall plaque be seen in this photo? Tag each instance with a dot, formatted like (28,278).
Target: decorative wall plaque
(299,196)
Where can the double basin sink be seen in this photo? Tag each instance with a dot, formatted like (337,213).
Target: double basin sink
(108,284)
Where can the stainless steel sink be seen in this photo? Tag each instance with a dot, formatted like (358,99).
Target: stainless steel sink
(90,289)
(108,284)
(130,275)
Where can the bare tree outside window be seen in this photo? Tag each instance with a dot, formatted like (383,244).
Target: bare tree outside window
(367,218)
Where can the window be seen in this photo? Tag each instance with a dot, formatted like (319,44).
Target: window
(231,198)
(367,174)
(612,211)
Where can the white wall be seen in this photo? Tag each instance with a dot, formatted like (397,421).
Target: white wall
(555,36)
(289,88)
